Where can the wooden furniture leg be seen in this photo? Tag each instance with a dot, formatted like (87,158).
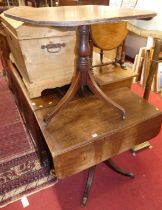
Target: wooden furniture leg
(97,91)
(117,58)
(67,97)
(88,185)
(90,177)
(120,55)
(101,56)
(117,169)
(83,76)
(153,68)
(122,59)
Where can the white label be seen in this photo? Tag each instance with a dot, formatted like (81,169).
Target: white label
(94,135)
(24,201)
(150,43)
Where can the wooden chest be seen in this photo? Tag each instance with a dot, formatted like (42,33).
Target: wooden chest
(44,55)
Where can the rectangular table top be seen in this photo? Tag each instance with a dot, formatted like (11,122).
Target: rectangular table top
(75,15)
(82,118)
(88,131)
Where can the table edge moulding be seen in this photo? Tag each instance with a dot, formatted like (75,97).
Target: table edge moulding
(75,15)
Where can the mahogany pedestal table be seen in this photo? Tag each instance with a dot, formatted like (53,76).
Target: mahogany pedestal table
(82,17)
(76,149)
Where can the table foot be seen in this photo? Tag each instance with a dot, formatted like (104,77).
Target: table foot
(98,92)
(115,168)
(90,177)
(75,85)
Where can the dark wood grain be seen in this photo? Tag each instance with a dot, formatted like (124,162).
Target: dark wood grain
(72,145)
(49,98)
(88,132)
(64,100)
(83,77)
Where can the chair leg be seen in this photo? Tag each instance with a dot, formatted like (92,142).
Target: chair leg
(101,56)
(117,58)
(115,168)
(122,58)
(88,185)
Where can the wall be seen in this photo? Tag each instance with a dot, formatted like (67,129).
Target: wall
(133,44)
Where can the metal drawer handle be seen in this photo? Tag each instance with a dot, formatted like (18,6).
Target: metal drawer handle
(53,48)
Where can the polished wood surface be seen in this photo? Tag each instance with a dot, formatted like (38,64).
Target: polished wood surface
(75,15)
(83,77)
(49,98)
(109,75)
(88,132)
(109,36)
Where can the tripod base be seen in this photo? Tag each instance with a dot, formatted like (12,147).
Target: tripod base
(90,177)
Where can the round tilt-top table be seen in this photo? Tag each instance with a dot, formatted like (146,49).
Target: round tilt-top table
(82,17)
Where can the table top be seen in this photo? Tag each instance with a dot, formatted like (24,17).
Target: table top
(87,131)
(83,117)
(75,15)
